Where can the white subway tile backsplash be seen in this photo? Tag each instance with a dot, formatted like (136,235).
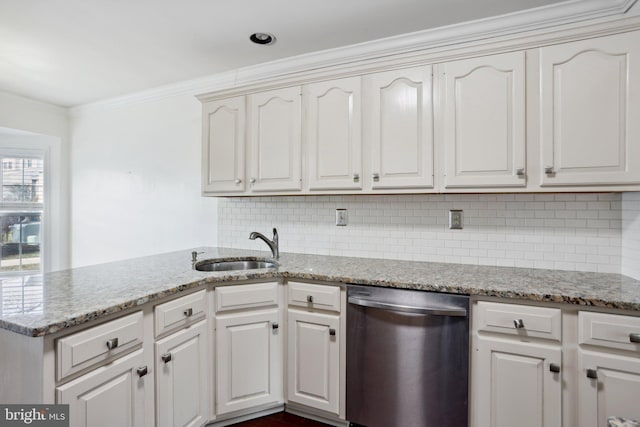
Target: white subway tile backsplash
(590,232)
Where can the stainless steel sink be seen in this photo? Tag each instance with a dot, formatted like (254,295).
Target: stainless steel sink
(231,265)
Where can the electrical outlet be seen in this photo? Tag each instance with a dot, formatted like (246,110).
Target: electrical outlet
(341,217)
(455,219)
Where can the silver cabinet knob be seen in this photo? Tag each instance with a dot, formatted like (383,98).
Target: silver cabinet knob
(309,298)
(520,172)
(332,332)
(634,338)
(252,181)
(112,343)
(238,181)
(188,312)
(356,177)
(166,358)
(554,367)
(592,373)
(518,323)
(376,176)
(142,371)
(549,170)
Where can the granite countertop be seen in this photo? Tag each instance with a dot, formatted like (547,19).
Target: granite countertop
(71,297)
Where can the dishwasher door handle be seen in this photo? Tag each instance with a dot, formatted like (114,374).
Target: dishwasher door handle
(432,311)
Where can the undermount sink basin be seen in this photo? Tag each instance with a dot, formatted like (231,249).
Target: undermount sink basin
(230,265)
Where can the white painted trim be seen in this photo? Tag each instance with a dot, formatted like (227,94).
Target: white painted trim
(547,17)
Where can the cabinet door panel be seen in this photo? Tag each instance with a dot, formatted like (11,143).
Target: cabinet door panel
(484,121)
(332,130)
(614,392)
(590,90)
(401,123)
(112,395)
(249,360)
(223,146)
(514,385)
(313,359)
(183,382)
(274,135)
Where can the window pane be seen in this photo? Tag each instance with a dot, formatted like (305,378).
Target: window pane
(20,242)
(22,180)
(21,294)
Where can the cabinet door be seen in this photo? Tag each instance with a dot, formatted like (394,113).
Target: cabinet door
(590,98)
(514,385)
(183,377)
(333,134)
(112,395)
(248,360)
(400,119)
(313,359)
(274,140)
(484,121)
(609,385)
(223,125)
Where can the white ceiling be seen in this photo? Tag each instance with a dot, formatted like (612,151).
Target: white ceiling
(71,52)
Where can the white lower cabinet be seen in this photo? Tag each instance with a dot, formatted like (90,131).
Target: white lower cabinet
(111,395)
(182,378)
(313,359)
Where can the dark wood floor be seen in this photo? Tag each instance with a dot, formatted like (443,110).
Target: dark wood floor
(281,419)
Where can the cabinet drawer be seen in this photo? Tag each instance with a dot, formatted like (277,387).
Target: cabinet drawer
(246,296)
(180,312)
(98,344)
(520,320)
(609,330)
(323,297)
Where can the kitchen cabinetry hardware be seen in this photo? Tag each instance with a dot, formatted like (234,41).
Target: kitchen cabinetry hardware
(275,325)
(634,338)
(332,332)
(252,181)
(309,298)
(549,170)
(554,367)
(166,358)
(431,311)
(238,181)
(142,371)
(520,172)
(356,177)
(376,177)
(518,323)
(112,343)
(188,312)
(592,373)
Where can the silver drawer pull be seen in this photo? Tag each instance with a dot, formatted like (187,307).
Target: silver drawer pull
(142,371)
(554,367)
(520,172)
(549,170)
(518,323)
(634,338)
(592,373)
(309,298)
(376,177)
(166,358)
(332,332)
(188,312)
(112,343)
(356,177)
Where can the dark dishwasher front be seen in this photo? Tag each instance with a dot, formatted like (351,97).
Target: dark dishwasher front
(407,358)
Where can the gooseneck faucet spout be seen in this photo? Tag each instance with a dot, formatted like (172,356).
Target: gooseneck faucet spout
(273,244)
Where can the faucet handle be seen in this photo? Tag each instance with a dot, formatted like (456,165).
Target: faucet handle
(275,234)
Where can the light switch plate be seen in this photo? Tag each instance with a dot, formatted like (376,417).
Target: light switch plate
(455,219)
(341,217)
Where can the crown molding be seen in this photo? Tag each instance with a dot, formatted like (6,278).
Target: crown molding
(514,24)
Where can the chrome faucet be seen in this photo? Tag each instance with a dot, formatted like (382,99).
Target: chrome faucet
(273,244)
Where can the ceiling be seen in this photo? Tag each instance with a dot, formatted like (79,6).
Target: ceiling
(72,52)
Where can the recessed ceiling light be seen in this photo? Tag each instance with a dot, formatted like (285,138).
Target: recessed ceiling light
(262,38)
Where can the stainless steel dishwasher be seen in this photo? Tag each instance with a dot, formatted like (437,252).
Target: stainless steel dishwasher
(407,358)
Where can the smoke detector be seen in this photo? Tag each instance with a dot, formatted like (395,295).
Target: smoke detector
(262,38)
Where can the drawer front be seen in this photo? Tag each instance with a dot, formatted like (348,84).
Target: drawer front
(324,297)
(180,312)
(98,344)
(238,297)
(520,320)
(609,330)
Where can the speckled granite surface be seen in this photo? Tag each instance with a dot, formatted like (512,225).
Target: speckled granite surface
(77,296)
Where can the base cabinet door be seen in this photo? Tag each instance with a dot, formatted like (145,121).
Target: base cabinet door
(183,378)
(609,385)
(313,360)
(248,360)
(515,385)
(112,395)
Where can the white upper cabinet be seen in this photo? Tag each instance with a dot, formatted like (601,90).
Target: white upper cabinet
(223,156)
(275,160)
(400,121)
(484,121)
(589,128)
(333,134)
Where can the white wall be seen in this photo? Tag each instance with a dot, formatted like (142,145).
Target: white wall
(556,231)
(47,125)
(631,234)
(136,180)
